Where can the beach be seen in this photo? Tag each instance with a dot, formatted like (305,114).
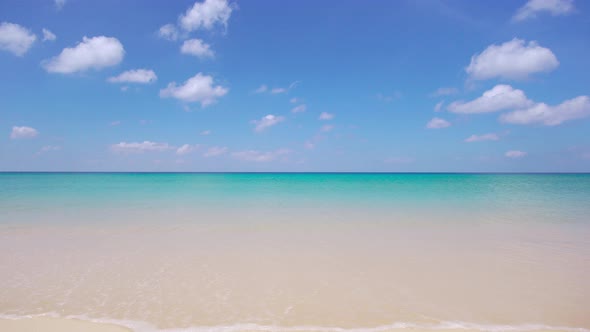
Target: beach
(288,252)
(56,325)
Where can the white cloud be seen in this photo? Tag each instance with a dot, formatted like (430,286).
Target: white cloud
(326,128)
(186,149)
(198,88)
(514,60)
(59,4)
(293,85)
(326,116)
(142,76)
(444,92)
(501,97)
(140,147)
(48,35)
(115,123)
(437,123)
(267,122)
(215,151)
(542,113)
(168,31)
(263,88)
(515,154)
(523,110)
(197,48)
(259,156)
(438,106)
(205,133)
(15,38)
(206,14)
(553,7)
(92,53)
(299,109)
(278,90)
(23,132)
(295,100)
(484,137)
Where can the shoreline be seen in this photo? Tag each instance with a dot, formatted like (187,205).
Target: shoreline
(57,324)
(50,323)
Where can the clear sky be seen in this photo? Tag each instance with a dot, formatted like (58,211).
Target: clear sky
(230,85)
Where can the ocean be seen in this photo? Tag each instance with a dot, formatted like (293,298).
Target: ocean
(298,251)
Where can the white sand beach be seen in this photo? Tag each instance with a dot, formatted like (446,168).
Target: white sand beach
(49,324)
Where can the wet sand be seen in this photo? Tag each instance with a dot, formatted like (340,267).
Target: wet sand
(48,324)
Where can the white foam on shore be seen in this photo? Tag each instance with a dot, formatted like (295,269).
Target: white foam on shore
(138,326)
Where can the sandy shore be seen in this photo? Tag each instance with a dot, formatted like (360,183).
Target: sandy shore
(48,324)
(51,324)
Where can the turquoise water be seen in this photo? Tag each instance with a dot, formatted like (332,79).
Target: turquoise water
(551,197)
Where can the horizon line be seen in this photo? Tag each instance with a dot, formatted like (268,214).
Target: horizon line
(282,172)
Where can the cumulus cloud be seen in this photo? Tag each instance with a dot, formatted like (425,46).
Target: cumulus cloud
(437,123)
(484,137)
(514,154)
(15,38)
(267,122)
(197,48)
(206,15)
(48,35)
(542,113)
(198,88)
(260,156)
(168,31)
(23,132)
(438,106)
(140,147)
(326,116)
(92,53)
(501,97)
(515,59)
(142,76)
(186,149)
(444,92)
(299,108)
(205,133)
(215,151)
(294,100)
(552,7)
(523,110)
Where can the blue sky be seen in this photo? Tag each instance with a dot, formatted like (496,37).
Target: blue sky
(217,85)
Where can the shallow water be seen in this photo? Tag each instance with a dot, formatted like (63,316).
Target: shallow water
(298,251)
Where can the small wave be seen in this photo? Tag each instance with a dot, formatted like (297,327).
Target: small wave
(138,326)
